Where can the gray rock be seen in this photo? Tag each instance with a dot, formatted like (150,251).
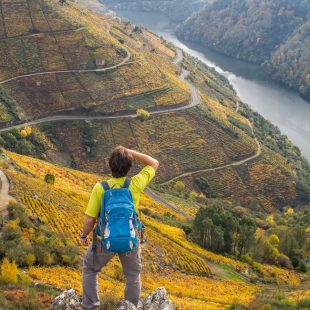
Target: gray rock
(67,300)
(125,305)
(158,301)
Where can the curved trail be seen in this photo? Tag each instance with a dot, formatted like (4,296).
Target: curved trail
(42,34)
(233,164)
(195,100)
(122,63)
(4,193)
(157,198)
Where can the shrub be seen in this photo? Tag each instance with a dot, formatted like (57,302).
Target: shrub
(284,261)
(193,195)
(187,229)
(9,271)
(47,259)
(30,259)
(258,268)
(23,133)
(179,186)
(247,259)
(302,266)
(274,240)
(143,115)
(49,178)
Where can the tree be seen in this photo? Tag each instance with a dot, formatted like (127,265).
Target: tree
(219,229)
(24,147)
(193,195)
(30,259)
(9,271)
(274,240)
(23,133)
(143,115)
(179,186)
(47,259)
(49,178)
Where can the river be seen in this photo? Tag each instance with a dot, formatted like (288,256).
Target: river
(283,107)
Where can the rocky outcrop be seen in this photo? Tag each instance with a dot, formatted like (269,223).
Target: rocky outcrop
(158,300)
(67,300)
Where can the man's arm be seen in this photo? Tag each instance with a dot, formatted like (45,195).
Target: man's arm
(144,159)
(92,212)
(88,226)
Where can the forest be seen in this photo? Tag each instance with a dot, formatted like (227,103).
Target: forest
(279,239)
(274,34)
(177,10)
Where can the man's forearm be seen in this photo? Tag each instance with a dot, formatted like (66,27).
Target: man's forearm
(144,159)
(89,223)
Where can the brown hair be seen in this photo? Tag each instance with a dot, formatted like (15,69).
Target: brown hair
(120,162)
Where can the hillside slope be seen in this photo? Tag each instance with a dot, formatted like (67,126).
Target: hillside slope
(212,147)
(272,33)
(177,10)
(65,58)
(193,276)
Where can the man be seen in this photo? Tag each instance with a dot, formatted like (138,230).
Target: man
(120,164)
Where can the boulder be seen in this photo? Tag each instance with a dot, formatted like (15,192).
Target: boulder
(158,301)
(67,300)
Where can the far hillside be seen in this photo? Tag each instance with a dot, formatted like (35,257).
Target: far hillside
(177,10)
(275,34)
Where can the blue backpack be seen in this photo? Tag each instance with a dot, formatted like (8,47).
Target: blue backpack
(118,219)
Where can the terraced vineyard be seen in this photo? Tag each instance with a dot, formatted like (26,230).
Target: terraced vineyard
(67,59)
(189,142)
(170,259)
(42,51)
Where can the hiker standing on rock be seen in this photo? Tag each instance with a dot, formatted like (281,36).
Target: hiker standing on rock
(112,215)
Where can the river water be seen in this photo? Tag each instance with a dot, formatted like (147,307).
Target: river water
(283,107)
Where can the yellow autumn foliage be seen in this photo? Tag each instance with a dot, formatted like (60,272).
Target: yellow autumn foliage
(9,271)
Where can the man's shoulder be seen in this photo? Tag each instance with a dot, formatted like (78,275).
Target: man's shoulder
(147,170)
(98,188)
(141,179)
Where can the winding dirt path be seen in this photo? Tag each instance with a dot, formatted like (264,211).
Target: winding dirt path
(122,63)
(4,193)
(234,164)
(194,101)
(42,34)
(157,198)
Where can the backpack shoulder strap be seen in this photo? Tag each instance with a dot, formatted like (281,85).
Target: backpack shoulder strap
(127,183)
(105,185)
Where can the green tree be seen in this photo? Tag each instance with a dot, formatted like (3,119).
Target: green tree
(193,195)
(30,259)
(49,178)
(179,186)
(143,115)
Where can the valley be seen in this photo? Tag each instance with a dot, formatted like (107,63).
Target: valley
(74,84)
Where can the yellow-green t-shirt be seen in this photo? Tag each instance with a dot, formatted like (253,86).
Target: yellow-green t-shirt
(138,183)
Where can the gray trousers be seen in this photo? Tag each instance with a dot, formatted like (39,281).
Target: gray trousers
(94,262)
